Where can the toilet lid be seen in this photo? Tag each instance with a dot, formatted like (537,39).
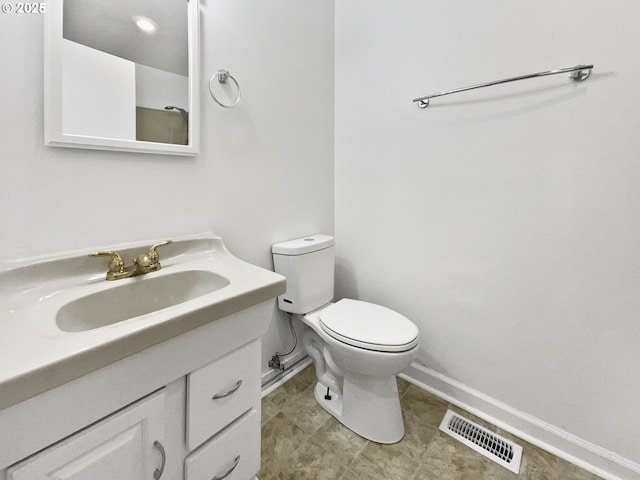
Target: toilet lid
(370,326)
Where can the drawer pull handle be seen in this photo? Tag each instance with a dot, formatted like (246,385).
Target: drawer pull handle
(228,472)
(226,394)
(159,471)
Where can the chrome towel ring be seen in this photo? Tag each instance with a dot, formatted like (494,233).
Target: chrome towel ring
(222,76)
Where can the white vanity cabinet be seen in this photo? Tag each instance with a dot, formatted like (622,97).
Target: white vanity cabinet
(233,454)
(185,409)
(154,376)
(128,445)
(223,402)
(221,391)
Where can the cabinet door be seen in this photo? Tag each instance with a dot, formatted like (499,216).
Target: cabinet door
(120,447)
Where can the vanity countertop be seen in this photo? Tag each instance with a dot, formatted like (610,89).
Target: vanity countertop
(36,355)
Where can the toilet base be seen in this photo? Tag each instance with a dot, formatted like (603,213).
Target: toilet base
(369,406)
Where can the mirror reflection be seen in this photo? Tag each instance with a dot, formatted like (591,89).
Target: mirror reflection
(126,69)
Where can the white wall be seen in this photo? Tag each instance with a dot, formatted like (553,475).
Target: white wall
(157,89)
(504,222)
(98,93)
(265,172)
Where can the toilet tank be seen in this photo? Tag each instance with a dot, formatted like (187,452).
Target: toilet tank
(308,265)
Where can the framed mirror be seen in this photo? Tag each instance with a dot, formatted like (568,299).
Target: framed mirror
(122,75)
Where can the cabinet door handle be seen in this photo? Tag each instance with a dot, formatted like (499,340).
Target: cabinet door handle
(228,472)
(158,473)
(226,394)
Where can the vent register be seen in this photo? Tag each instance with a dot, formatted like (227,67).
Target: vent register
(478,438)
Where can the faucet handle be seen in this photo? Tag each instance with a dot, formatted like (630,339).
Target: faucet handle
(116,265)
(153,253)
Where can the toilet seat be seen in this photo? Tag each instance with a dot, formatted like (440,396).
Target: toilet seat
(369,326)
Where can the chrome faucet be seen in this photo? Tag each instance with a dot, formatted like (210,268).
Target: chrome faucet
(143,263)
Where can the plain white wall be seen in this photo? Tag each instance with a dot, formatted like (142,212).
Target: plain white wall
(265,172)
(110,114)
(504,222)
(157,89)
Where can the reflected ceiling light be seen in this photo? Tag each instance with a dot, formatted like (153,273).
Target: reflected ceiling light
(145,24)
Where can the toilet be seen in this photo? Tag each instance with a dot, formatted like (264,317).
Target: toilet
(357,347)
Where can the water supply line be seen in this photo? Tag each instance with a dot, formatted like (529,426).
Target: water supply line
(275,360)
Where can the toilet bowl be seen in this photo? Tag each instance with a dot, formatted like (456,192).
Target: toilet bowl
(357,383)
(357,347)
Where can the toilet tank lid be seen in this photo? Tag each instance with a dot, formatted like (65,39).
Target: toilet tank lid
(300,246)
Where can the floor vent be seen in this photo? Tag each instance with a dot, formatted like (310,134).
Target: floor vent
(489,444)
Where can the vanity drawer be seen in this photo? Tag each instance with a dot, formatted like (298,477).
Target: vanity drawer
(220,392)
(234,454)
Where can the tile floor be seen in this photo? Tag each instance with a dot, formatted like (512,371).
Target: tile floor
(300,441)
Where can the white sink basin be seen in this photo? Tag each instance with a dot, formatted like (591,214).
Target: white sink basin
(60,319)
(146,294)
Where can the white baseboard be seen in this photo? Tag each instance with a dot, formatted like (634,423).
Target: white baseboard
(571,448)
(286,377)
